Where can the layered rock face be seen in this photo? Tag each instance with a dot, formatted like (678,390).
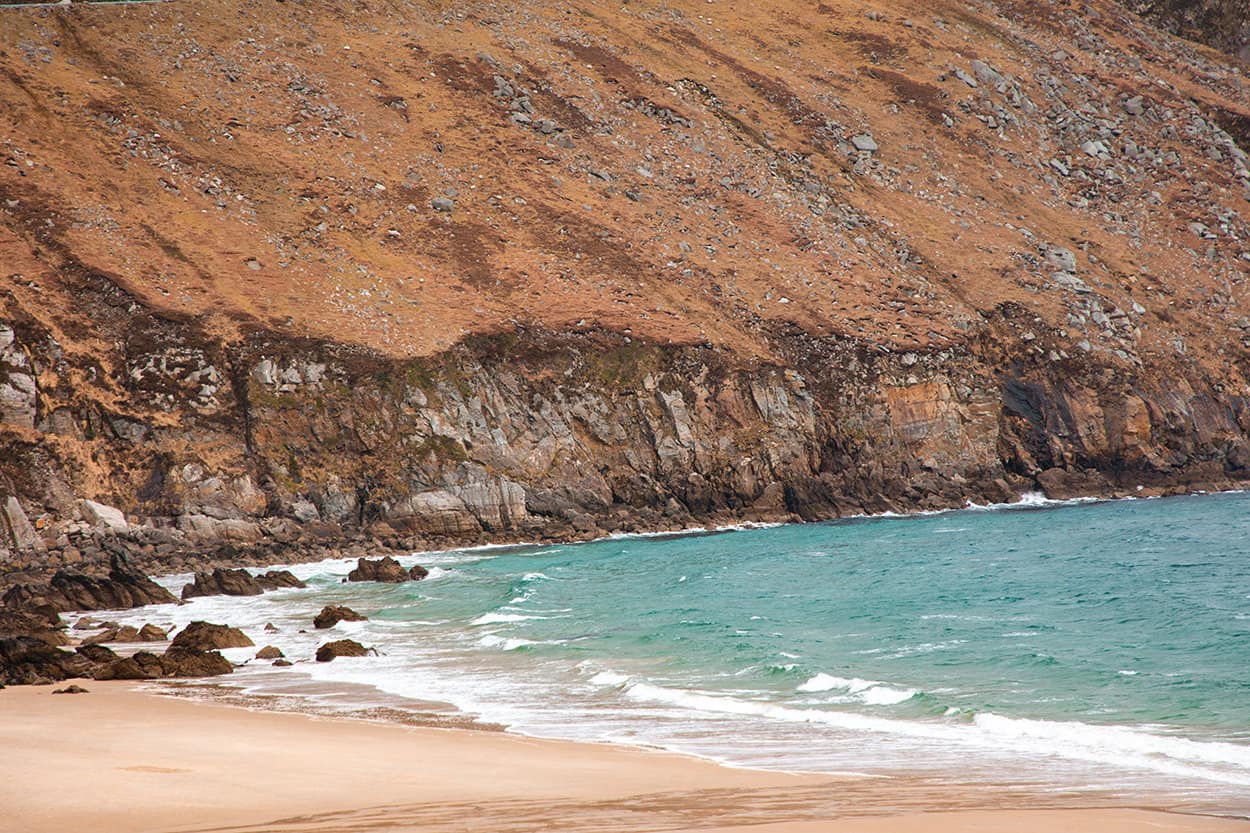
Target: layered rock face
(534,271)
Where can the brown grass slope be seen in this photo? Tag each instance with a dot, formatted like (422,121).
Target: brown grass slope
(276,163)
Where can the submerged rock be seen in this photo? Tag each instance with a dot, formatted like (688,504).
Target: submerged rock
(331,615)
(222,582)
(341,648)
(387,570)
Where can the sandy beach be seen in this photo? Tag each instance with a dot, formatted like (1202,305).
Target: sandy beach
(124,760)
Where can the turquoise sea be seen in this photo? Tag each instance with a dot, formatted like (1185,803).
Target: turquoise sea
(1100,646)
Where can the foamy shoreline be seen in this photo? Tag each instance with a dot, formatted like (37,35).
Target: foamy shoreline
(122,760)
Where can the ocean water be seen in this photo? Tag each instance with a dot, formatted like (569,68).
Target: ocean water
(1098,646)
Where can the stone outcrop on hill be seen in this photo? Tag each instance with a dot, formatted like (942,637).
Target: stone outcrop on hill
(800,261)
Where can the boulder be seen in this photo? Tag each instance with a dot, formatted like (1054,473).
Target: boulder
(104,517)
(278,579)
(142,665)
(282,663)
(151,633)
(204,636)
(70,689)
(387,570)
(341,648)
(331,615)
(269,652)
(222,582)
(16,529)
(187,662)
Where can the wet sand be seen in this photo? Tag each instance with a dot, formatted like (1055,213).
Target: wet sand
(125,760)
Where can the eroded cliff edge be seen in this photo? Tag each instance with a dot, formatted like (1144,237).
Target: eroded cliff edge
(536,435)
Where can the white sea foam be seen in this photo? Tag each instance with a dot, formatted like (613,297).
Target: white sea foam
(609,679)
(1119,746)
(869,692)
(491,640)
(498,618)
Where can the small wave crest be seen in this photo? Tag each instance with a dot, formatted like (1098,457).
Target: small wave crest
(501,618)
(869,692)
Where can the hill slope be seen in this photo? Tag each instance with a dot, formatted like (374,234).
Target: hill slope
(513,270)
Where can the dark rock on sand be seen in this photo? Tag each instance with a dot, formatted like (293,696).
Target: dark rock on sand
(387,570)
(71,689)
(42,623)
(282,663)
(341,648)
(331,615)
(204,636)
(185,662)
(142,665)
(27,660)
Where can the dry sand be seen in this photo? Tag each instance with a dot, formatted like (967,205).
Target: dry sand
(120,760)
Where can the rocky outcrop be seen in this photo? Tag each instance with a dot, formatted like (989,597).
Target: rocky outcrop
(223,583)
(204,636)
(269,652)
(341,648)
(279,580)
(331,615)
(125,587)
(26,660)
(128,633)
(1223,24)
(184,662)
(386,570)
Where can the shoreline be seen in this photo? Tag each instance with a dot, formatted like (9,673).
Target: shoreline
(128,759)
